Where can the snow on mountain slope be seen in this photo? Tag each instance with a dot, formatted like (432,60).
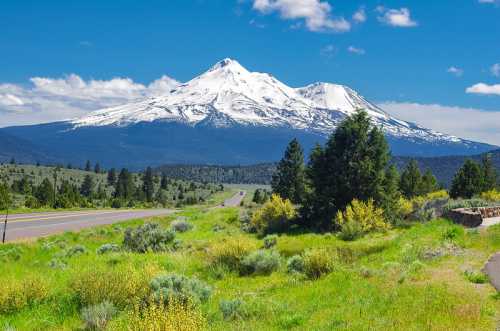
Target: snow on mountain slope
(228,94)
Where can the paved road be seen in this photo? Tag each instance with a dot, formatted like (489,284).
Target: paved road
(235,200)
(492,269)
(489,222)
(42,224)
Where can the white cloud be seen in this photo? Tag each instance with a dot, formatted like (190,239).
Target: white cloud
(315,13)
(359,16)
(482,88)
(495,70)
(356,50)
(396,17)
(469,123)
(56,99)
(456,71)
(328,51)
(489,1)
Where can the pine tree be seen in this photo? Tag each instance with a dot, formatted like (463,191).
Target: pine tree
(12,161)
(148,185)
(45,193)
(88,166)
(124,188)
(111,177)
(468,181)
(87,188)
(429,183)
(5,197)
(352,166)
(489,173)
(97,168)
(391,194)
(164,182)
(289,179)
(411,180)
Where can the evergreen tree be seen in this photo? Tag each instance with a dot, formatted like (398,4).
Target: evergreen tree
(124,188)
(429,183)
(391,194)
(5,197)
(97,168)
(489,173)
(148,185)
(411,180)
(468,181)
(289,179)
(87,188)
(164,182)
(45,193)
(88,166)
(12,161)
(111,177)
(352,166)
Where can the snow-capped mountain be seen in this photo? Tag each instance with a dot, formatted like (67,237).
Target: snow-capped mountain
(227,115)
(228,93)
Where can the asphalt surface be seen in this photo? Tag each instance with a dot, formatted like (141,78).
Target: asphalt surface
(25,226)
(235,200)
(492,269)
(489,222)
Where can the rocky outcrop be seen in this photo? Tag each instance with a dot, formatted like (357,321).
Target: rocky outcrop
(465,217)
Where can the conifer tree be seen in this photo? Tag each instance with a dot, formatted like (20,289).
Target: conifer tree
(111,177)
(429,183)
(468,181)
(45,193)
(489,173)
(87,188)
(124,188)
(411,180)
(97,168)
(87,166)
(5,197)
(148,184)
(164,181)
(289,179)
(391,194)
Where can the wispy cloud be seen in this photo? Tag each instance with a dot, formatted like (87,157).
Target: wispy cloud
(316,14)
(484,89)
(54,99)
(458,72)
(356,50)
(396,17)
(328,51)
(85,43)
(469,123)
(359,16)
(495,70)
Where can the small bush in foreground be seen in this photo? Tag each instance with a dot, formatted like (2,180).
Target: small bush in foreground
(16,295)
(275,216)
(360,218)
(233,309)
(181,226)
(230,253)
(147,237)
(177,316)
(108,248)
(96,317)
(75,250)
(295,264)
(261,262)
(166,288)
(270,241)
(317,262)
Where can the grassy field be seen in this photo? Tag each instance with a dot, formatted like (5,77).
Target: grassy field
(417,278)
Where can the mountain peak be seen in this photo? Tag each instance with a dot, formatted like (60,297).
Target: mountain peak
(228,64)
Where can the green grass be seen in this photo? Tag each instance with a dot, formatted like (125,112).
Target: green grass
(405,279)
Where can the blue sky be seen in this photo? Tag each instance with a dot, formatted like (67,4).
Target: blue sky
(416,58)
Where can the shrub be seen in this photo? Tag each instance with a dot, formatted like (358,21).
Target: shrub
(261,262)
(18,294)
(492,195)
(181,288)
(274,216)
(57,264)
(11,254)
(441,194)
(176,316)
(31,202)
(120,285)
(108,248)
(465,203)
(181,226)
(317,263)
(453,233)
(360,218)
(230,253)
(147,237)
(75,250)
(476,277)
(233,309)
(295,264)
(270,241)
(96,317)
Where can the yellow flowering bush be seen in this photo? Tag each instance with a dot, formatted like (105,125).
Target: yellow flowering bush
(275,216)
(231,252)
(492,195)
(360,218)
(17,294)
